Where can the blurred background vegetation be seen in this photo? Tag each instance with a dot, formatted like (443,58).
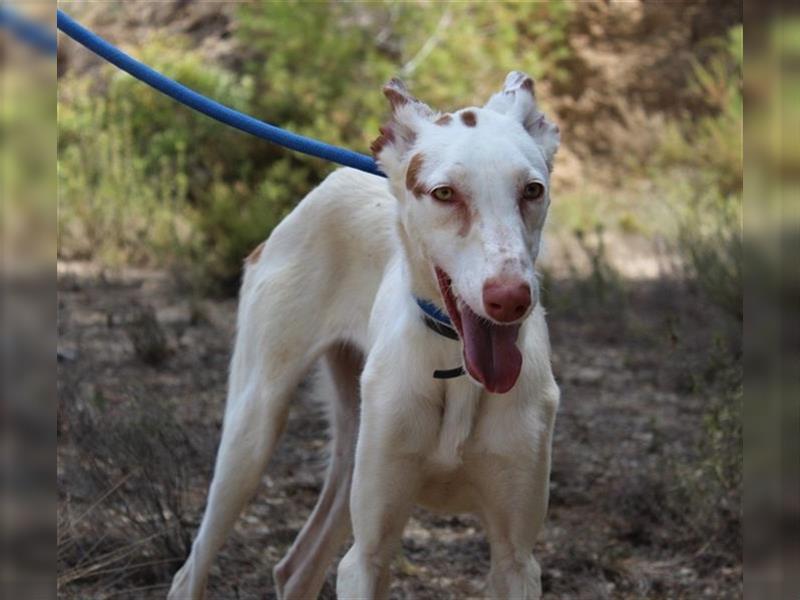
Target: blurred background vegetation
(652,129)
(647,184)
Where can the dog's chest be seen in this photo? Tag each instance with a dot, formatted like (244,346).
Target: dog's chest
(459,410)
(447,484)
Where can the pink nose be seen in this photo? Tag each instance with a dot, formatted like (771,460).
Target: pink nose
(506,301)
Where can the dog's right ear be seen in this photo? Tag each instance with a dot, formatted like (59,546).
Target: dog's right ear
(399,134)
(518,100)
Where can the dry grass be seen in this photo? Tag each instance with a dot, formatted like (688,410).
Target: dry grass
(126,526)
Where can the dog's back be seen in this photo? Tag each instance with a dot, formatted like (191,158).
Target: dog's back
(325,260)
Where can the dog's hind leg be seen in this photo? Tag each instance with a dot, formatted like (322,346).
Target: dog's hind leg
(301,573)
(265,370)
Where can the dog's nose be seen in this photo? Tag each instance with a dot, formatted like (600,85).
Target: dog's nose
(506,301)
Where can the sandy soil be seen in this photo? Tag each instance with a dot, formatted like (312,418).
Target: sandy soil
(628,413)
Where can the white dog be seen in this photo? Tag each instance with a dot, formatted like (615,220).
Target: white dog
(397,284)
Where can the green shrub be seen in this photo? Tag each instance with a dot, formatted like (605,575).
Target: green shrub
(146,181)
(111,206)
(702,163)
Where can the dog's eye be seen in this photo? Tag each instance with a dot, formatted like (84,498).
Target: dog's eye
(443,194)
(533,191)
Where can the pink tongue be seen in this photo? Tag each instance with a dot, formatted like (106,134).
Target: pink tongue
(490,352)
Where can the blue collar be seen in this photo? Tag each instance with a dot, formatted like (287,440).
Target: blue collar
(437,320)
(433,311)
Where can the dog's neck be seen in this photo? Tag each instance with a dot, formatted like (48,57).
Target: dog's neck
(422,282)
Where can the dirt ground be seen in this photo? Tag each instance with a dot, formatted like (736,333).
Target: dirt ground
(135,349)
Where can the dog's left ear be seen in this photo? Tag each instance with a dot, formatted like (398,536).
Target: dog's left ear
(399,133)
(518,100)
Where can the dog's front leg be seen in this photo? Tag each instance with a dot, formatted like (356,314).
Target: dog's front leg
(513,476)
(396,431)
(513,516)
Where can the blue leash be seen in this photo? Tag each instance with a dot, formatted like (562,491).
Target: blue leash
(209,107)
(26,31)
(40,38)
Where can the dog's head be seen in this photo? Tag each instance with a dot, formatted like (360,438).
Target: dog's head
(473,192)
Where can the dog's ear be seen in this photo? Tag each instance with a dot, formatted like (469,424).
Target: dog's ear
(399,133)
(518,100)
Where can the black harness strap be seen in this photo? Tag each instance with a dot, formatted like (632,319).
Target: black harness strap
(448,373)
(449,333)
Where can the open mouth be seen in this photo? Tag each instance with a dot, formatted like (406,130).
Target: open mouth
(490,350)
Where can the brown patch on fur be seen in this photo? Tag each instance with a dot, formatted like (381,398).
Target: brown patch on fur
(412,182)
(528,84)
(395,97)
(469,118)
(386,137)
(520,82)
(462,212)
(255,254)
(398,95)
(444,120)
(465,214)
